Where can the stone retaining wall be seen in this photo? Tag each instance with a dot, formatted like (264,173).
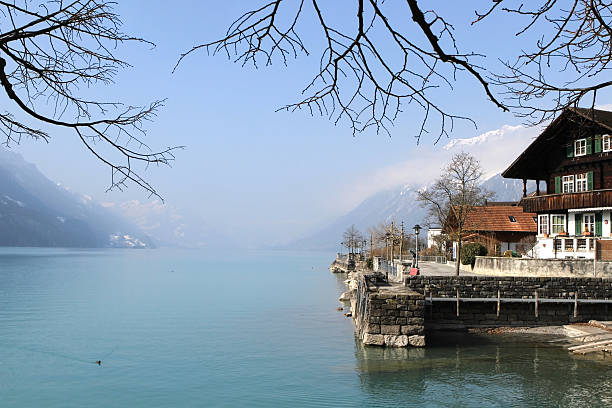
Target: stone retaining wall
(484,314)
(384,317)
(503,266)
(510,287)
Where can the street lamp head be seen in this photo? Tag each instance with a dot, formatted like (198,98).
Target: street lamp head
(417,229)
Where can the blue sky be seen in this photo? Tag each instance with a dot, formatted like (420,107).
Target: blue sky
(273,175)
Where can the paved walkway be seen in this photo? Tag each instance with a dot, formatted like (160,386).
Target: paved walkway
(436,269)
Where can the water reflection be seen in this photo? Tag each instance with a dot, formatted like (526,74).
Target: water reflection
(471,370)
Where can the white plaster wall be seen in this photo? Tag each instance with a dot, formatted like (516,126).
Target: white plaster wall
(544,248)
(605,227)
(571,224)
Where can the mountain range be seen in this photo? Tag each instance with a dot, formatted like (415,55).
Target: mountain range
(34,211)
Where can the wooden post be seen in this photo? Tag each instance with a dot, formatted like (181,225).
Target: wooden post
(576,304)
(537,187)
(524,187)
(536,303)
(595,257)
(457,302)
(498,302)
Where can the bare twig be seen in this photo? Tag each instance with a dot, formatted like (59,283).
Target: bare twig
(48,51)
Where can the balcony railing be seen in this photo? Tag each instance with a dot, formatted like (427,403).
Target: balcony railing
(553,202)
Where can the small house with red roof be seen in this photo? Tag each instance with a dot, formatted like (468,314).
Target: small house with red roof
(500,226)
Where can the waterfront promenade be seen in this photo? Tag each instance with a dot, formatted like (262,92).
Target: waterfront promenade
(397,310)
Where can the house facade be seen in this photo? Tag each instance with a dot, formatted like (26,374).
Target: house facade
(501,227)
(573,159)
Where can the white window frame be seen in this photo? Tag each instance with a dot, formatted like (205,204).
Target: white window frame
(591,223)
(543,224)
(568,184)
(606,146)
(582,183)
(557,227)
(580,147)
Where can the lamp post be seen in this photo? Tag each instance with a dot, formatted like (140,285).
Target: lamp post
(417,229)
(364,250)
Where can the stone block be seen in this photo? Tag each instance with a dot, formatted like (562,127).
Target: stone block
(377,312)
(419,321)
(387,320)
(373,329)
(396,341)
(411,329)
(373,339)
(390,329)
(417,340)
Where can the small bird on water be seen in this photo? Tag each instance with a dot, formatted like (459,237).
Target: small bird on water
(99,362)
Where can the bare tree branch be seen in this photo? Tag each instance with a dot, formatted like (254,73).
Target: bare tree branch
(569,61)
(48,51)
(366,72)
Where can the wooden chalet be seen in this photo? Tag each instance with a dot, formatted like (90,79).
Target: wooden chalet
(500,226)
(573,157)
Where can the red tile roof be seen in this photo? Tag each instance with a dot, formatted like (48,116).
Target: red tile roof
(497,218)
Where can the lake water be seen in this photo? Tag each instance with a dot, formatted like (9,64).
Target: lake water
(204,329)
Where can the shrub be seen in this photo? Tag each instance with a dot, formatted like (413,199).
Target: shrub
(510,254)
(470,251)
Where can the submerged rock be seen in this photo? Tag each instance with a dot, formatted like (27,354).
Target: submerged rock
(373,339)
(396,341)
(417,341)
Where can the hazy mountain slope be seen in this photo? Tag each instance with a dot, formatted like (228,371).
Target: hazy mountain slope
(36,212)
(507,189)
(171,227)
(397,204)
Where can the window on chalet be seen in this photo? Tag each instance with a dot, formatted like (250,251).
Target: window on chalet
(557,223)
(580,147)
(568,184)
(582,182)
(543,224)
(588,220)
(574,183)
(605,143)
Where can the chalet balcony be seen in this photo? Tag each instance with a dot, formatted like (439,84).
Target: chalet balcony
(555,202)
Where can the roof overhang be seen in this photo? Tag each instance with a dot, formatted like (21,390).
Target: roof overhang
(529,165)
(581,210)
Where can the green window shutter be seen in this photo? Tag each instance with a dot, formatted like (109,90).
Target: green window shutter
(589,147)
(578,218)
(598,224)
(597,143)
(557,185)
(590,181)
(570,150)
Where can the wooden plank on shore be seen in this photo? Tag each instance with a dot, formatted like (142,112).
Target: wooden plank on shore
(591,344)
(603,347)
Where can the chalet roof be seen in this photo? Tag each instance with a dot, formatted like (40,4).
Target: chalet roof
(500,218)
(532,163)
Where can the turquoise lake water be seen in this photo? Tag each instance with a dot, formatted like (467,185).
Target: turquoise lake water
(255,329)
